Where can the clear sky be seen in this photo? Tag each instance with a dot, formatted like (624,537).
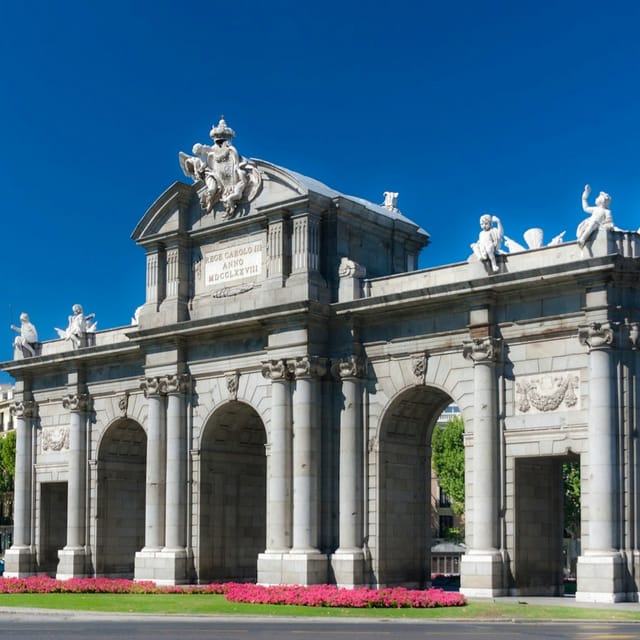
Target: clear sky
(462,107)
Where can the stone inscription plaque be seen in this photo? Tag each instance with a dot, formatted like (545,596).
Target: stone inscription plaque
(233,263)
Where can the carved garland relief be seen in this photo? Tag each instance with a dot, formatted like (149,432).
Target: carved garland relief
(55,438)
(547,392)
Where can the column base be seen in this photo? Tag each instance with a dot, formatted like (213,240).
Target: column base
(163,566)
(19,562)
(292,567)
(348,568)
(73,563)
(601,578)
(482,575)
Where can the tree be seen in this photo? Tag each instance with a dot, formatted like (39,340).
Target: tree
(448,460)
(571,480)
(7,461)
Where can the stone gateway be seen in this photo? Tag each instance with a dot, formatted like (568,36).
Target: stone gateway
(268,416)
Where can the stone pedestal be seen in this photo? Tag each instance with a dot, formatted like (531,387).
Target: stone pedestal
(164,567)
(348,568)
(19,562)
(482,575)
(600,578)
(304,568)
(73,563)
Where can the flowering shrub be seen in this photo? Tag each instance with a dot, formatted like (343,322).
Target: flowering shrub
(331,596)
(312,596)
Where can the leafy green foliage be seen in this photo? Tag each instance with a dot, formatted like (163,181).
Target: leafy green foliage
(448,460)
(7,461)
(571,480)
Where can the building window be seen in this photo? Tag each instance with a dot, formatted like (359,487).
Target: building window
(444,524)
(445,500)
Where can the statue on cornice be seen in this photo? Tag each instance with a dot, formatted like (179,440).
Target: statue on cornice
(27,341)
(228,177)
(600,216)
(489,240)
(78,328)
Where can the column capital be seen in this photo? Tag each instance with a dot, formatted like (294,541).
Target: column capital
(481,350)
(632,332)
(307,367)
(177,384)
(25,409)
(349,367)
(596,335)
(276,370)
(155,386)
(82,402)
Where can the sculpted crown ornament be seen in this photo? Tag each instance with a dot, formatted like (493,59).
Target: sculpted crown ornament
(229,178)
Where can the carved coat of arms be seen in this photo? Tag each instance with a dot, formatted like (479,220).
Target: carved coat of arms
(228,177)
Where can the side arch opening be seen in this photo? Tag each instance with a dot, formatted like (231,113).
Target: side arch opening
(404,487)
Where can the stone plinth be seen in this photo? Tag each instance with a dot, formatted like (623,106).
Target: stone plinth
(164,567)
(19,562)
(482,575)
(293,568)
(600,578)
(348,568)
(73,563)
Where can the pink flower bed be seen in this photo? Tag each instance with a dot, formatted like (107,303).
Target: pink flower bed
(312,596)
(331,596)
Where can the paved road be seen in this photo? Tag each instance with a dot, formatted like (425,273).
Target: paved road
(59,626)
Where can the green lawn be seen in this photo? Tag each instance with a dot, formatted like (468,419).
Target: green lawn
(217,605)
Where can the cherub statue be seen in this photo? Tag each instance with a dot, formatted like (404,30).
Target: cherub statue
(28,337)
(78,327)
(489,240)
(600,216)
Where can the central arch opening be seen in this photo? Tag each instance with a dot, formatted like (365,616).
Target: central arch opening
(405,487)
(232,494)
(122,463)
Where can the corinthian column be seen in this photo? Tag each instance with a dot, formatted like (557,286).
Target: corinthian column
(486,463)
(24,414)
(601,430)
(176,503)
(279,459)
(306,452)
(600,568)
(155,390)
(348,559)
(482,572)
(79,405)
(73,558)
(19,558)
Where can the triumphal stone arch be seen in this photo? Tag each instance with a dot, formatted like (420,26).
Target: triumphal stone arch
(268,414)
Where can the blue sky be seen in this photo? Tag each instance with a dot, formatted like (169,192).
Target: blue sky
(462,107)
